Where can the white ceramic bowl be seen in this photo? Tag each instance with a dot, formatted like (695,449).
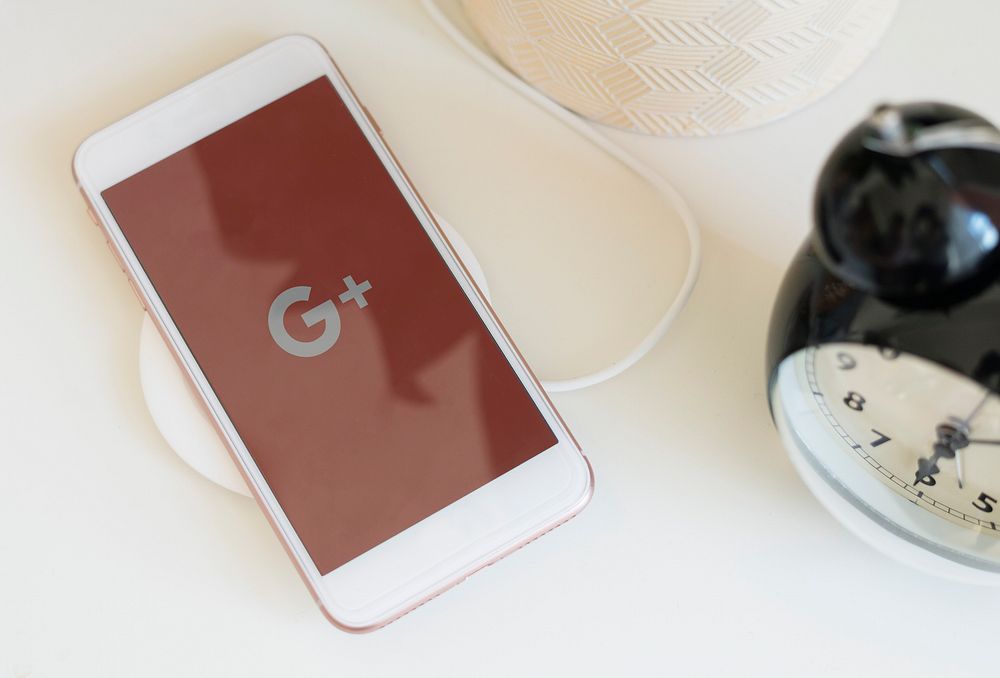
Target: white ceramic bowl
(682,67)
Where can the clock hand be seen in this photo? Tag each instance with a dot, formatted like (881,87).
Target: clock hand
(959,470)
(950,439)
(981,441)
(957,437)
(927,467)
(978,407)
(952,436)
(968,420)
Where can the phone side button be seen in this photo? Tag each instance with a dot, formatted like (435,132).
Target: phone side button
(114,253)
(371,119)
(135,291)
(90,208)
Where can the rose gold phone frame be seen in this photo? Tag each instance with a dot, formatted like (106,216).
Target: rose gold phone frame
(279,524)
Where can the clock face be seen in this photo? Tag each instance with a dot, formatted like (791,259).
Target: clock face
(911,443)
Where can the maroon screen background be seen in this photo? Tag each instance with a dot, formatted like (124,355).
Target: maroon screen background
(415,405)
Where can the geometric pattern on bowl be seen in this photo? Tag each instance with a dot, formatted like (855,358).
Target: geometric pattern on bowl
(682,67)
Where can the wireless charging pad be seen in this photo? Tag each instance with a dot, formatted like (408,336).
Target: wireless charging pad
(179,415)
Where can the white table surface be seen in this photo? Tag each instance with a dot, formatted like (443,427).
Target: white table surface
(701,553)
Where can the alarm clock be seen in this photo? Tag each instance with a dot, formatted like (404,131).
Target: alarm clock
(883,353)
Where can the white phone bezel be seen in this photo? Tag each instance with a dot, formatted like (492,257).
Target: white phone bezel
(440,550)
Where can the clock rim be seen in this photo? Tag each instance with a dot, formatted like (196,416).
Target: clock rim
(873,527)
(814,307)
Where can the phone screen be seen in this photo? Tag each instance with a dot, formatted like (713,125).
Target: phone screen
(358,374)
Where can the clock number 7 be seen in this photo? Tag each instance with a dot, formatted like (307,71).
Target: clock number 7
(882,439)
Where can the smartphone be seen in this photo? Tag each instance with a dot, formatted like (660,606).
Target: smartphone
(387,426)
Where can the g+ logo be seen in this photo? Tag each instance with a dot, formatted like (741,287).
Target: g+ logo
(324,313)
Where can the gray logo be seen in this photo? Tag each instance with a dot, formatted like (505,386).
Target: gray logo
(324,313)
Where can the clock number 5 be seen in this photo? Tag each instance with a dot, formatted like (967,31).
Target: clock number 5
(985,503)
(855,401)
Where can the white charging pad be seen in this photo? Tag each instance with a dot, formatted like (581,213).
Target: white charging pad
(622,237)
(179,415)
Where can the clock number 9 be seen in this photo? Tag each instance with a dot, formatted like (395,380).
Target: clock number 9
(855,401)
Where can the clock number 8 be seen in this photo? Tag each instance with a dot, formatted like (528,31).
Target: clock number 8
(855,401)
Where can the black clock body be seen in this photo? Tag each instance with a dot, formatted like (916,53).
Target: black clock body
(815,306)
(905,250)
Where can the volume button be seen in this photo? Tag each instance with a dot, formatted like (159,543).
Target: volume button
(90,208)
(114,253)
(371,119)
(135,291)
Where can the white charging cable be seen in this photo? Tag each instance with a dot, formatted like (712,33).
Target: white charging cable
(589,132)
